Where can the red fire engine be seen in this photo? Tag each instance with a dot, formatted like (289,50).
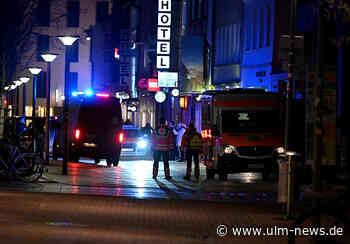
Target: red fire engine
(241,129)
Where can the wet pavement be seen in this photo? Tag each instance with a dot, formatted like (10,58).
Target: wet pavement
(133,178)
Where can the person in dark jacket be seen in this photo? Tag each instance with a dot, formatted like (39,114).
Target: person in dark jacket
(192,144)
(147,130)
(162,143)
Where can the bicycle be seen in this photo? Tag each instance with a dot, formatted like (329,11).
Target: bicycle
(28,167)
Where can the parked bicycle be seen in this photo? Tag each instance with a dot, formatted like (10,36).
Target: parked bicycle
(19,161)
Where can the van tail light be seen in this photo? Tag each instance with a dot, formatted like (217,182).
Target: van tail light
(120,137)
(77,134)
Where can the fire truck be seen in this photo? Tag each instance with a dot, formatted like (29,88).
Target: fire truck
(241,130)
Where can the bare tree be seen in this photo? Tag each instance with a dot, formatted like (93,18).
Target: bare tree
(17,18)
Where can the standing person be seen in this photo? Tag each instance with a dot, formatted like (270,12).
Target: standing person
(181,128)
(162,143)
(147,130)
(192,143)
(172,153)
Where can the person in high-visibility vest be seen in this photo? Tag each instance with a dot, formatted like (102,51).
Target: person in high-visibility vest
(162,143)
(192,144)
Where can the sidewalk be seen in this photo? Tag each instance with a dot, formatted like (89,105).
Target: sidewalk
(156,210)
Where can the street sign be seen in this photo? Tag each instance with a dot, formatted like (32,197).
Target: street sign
(167,79)
(153,85)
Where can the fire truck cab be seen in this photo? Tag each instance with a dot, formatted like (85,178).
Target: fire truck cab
(241,129)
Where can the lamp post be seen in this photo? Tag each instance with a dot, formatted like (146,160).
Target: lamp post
(49,58)
(67,41)
(18,83)
(35,71)
(24,81)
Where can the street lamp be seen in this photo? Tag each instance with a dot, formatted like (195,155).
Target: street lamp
(24,80)
(35,71)
(49,58)
(67,41)
(17,83)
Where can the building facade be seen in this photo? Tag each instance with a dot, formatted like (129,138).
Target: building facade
(56,18)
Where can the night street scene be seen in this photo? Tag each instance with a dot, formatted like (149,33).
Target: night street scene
(174,121)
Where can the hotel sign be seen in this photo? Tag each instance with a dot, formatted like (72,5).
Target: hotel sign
(163,34)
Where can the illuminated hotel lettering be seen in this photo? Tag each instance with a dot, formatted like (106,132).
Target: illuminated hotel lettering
(163,34)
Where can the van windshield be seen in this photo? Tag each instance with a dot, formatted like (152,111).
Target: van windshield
(250,121)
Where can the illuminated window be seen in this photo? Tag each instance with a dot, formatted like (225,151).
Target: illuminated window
(184,102)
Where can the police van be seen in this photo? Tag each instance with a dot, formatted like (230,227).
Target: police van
(95,123)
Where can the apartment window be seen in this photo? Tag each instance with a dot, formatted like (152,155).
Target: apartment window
(43,46)
(261,31)
(254,28)
(268,25)
(73,13)
(43,13)
(41,85)
(73,81)
(205,8)
(199,9)
(248,33)
(74,57)
(101,11)
(193,7)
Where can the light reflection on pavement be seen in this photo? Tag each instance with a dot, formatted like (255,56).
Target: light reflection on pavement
(133,178)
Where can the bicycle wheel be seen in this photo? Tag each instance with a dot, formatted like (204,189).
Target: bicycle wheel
(29,168)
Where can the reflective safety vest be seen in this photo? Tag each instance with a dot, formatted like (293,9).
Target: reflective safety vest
(162,139)
(192,140)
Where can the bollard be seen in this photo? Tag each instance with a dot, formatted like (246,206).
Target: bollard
(290,188)
(286,182)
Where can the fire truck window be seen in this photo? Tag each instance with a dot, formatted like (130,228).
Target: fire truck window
(250,121)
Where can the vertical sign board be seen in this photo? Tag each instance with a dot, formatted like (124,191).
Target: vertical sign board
(163,34)
(124,58)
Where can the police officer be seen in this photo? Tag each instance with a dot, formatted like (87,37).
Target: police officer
(192,143)
(162,143)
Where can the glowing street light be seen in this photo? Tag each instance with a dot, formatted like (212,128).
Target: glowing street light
(35,71)
(24,80)
(67,41)
(49,58)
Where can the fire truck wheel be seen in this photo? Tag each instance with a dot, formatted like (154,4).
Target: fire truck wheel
(222,176)
(210,173)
